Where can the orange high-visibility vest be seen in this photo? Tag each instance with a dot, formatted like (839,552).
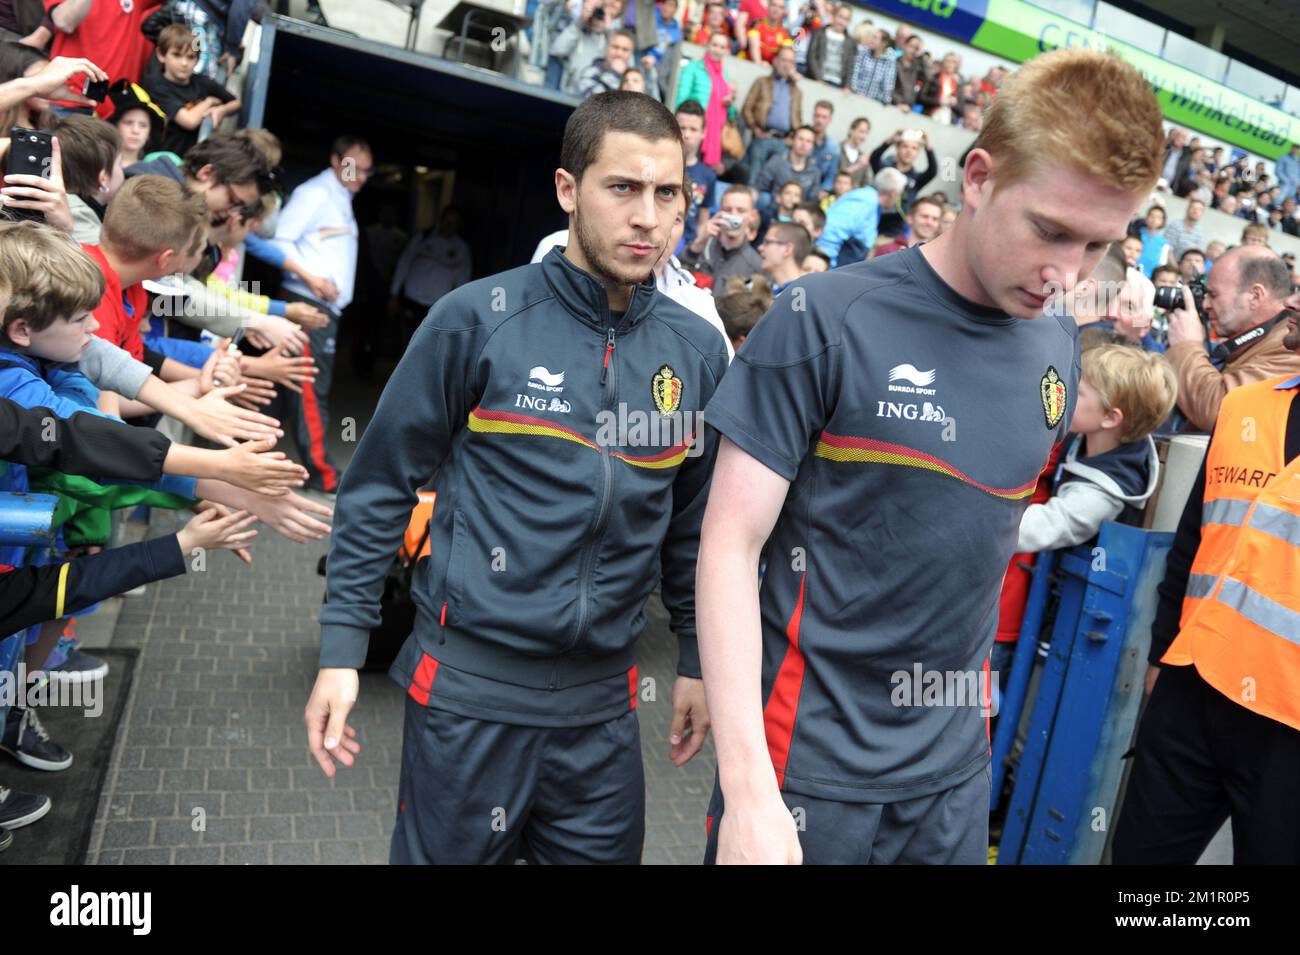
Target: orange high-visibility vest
(417,526)
(1240,623)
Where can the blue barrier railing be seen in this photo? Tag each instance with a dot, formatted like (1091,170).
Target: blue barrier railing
(1012,702)
(1082,714)
(25,519)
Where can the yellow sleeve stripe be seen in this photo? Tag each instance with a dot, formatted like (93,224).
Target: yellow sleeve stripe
(62,592)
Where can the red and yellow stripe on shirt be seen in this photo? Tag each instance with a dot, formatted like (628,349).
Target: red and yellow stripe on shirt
(484,420)
(836,447)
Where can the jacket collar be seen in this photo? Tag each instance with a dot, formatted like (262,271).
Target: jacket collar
(32,364)
(583,296)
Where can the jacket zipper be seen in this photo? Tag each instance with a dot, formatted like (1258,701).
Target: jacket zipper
(610,384)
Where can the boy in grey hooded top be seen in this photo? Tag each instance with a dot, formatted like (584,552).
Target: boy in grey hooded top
(1111,469)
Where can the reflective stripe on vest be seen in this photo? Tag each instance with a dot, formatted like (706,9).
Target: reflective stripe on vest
(1248,446)
(1277,523)
(1225,510)
(1260,610)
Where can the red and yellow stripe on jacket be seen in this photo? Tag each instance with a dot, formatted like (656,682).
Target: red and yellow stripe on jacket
(484,420)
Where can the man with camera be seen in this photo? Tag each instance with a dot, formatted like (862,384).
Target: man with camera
(722,249)
(1244,305)
(907,144)
(578,45)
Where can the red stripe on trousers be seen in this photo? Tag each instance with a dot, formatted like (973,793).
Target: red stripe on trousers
(783,704)
(329,478)
(986,700)
(422,684)
(631,685)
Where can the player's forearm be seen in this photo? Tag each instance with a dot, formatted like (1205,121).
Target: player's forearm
(730,640)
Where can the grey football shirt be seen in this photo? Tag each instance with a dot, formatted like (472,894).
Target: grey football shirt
(913,425)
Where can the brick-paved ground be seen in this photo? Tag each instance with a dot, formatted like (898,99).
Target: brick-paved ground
(214,722)
(227,659)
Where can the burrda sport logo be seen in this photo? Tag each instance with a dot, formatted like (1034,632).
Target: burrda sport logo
(543,379)
(908,372)
(918,382)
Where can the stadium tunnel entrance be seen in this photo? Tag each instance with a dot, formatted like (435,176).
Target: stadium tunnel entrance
(441,133)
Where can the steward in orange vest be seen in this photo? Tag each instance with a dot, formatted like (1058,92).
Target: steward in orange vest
(1220,737)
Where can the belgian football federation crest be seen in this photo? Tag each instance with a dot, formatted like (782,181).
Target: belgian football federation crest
(666,389)
(1052,389)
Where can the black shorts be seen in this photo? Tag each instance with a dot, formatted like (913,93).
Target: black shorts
(474,791)
(945,828)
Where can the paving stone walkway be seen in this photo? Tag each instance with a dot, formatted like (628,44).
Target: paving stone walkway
(214,730)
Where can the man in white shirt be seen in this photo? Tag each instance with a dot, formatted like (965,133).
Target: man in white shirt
(433,263)
(316,227)
(678,283)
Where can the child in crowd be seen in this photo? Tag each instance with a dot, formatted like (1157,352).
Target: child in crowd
(789,196)
(816,261)
(842,183)
(1108,472)
(49,286)
(854,158)
(140,121)
(742,305)
(1111,468)
(90,161)
(703,180)
(186,97)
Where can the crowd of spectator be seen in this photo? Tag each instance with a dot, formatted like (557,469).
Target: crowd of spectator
(845,195)
(121,267)
(1239,186)
(824,43)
